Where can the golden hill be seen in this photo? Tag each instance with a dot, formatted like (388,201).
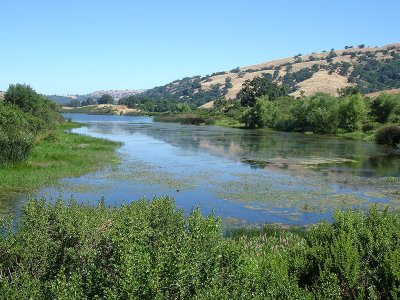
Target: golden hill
(328,78)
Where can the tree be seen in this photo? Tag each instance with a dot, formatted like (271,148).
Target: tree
(318,113)
(258,87)
(228,82)
(352,112)
(348,91)
(259,115)
(384,106)
(23,96)
(75,103)
(106,99)
(89,101)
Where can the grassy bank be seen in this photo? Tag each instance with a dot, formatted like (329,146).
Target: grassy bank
(150,250)
(198,119)
(61,154)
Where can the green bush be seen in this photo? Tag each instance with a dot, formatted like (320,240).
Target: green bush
(16,138)
(388,135)
(318,113)
(352,112)
(385,108)
(44,111)
(150,250)
(259,115)
(358,252)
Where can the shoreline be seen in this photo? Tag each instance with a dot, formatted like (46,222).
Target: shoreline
(64,154)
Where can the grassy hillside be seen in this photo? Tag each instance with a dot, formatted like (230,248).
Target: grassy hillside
(371,69)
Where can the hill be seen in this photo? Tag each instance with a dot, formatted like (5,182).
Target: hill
(372,69)
(116,94)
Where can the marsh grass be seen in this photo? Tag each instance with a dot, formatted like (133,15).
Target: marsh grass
(62,154)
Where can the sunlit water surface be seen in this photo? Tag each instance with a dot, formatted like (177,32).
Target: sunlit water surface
(243,176)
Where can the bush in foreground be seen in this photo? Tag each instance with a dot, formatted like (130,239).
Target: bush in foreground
(150,250)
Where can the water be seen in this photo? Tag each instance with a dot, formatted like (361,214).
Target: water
(240,175)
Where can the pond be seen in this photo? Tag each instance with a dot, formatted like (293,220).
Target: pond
(244,176)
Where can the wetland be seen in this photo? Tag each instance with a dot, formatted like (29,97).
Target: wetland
(243,176)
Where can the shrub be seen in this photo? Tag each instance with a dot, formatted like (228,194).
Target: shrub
(352,112)
(16,135)
(369,126)
(25,98)
(318,113)
(388,135)
(385,107)
(150,250)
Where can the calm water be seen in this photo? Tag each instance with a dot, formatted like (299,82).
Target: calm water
(241,175)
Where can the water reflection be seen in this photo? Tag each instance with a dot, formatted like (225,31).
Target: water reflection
(256,176)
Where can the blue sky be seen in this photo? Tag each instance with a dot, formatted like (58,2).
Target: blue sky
(69,47)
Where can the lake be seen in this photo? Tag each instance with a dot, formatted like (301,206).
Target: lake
(244,176)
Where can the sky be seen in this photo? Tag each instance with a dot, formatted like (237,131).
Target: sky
(77,47)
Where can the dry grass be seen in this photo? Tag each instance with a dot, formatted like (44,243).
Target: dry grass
(376,94)
(320,82)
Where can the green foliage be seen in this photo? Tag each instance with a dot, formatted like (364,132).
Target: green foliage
(60,155)
(291,79)
(359,253)
(44,110)
(259,115)
(386,108)
(105,99)
(352,112)
(388,135)
(258,87)
(88,101)
(318,113)
(25,116)
(150,250)
(228,82)
(374,75)
(74,103)
(348,91)
(24,97)
(16,137)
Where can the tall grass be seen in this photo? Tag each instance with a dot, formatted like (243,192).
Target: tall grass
(150,250)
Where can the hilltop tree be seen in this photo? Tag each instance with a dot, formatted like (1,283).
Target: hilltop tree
(105,99)
(258,87)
